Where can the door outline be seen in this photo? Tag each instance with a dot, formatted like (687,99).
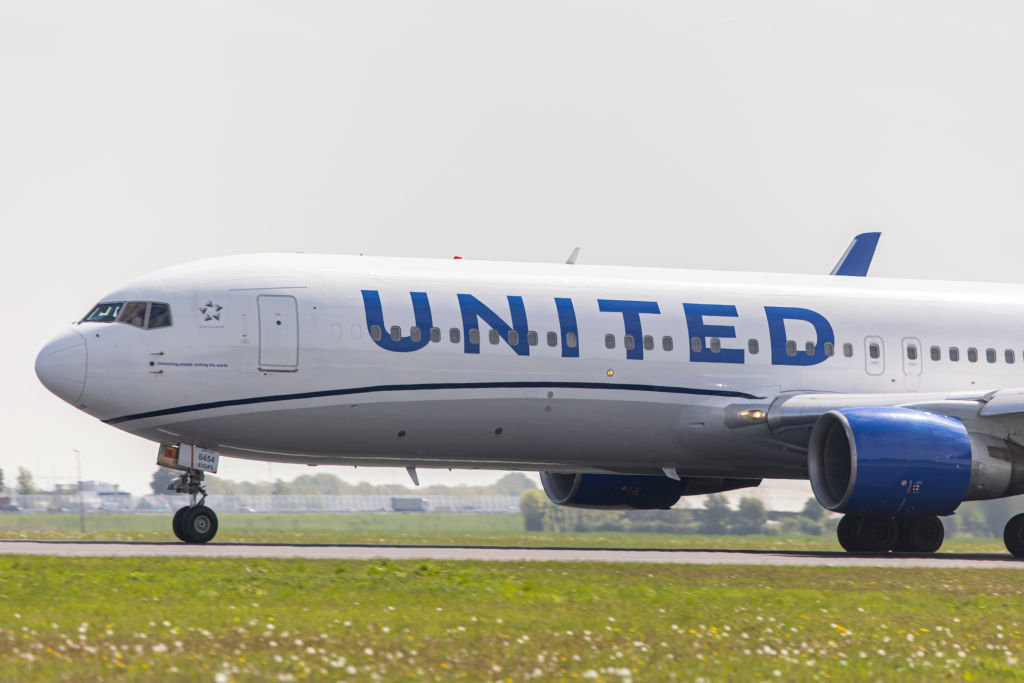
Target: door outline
(278,318)
(874,366)
(911,367)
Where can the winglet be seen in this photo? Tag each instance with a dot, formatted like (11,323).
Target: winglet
(857,258)
(573,256)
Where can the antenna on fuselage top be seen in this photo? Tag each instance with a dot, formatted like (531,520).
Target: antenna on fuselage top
(573,256)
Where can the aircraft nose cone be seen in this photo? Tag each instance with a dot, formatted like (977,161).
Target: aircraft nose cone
(60,365)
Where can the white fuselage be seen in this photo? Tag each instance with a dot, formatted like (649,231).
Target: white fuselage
(276,357)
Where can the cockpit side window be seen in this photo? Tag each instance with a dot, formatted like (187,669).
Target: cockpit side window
(159,316)
(134,313)
(106,312)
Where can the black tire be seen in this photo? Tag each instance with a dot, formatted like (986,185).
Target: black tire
(176,523)
(846,532)
(1013,535)
(878,534)
(920,535)
(199,524)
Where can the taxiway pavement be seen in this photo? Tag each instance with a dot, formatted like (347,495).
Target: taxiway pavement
(507,554)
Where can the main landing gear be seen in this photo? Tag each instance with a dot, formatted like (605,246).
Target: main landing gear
(922,534)
(194,523)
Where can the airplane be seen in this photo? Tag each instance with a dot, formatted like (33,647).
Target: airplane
(624,387)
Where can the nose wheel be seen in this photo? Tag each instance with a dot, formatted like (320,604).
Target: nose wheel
(193,523)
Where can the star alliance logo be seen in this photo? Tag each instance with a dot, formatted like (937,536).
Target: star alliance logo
(210,311)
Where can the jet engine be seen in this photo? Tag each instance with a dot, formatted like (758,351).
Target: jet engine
(631,491)
(892,461)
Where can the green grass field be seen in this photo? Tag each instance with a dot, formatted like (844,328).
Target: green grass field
(220,620)
(429,529)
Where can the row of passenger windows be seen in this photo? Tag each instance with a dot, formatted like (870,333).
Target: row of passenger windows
(455,336)
(629,342)
(953,353)
(144,314)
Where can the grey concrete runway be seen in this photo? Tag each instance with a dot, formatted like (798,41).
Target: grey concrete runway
(504,554)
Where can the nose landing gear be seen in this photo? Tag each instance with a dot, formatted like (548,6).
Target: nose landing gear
(194,523)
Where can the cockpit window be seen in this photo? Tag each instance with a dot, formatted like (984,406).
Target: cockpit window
(104,313)
(159,316)
(134,313)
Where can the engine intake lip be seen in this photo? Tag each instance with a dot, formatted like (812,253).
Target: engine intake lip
(832,460)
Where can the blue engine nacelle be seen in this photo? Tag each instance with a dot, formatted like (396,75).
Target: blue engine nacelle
(630,491)
(886,461)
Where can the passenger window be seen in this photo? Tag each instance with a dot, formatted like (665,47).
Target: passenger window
(911,352)
(396,333)
(752,346)
(666,343)
(609,341)
(531,338)
(492,336)
(972,354)
(474,335)
(809,348)
(570,339)
(648,342)
(830,349)
(696,345)
(415,334)
(454,335)
(954,354)
(628,342)
(1010,357)
(990,355)
(552,339)
(936,353)
(874,351)
(848,350)
(159,316)
(134,314)
(715,345)
(435,334)
(513,337)
(375,332)
(790,347)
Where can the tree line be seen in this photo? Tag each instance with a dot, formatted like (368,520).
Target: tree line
(327,484)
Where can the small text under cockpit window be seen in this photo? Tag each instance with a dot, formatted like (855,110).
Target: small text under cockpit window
(104,313)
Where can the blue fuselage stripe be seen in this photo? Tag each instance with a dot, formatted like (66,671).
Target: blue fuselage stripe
(427,387)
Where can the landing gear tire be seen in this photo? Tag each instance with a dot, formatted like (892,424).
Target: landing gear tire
(847,533)
(198,524)
(867,534)
(878,534)
(920,535)
(194,523)
(1013,536)
(176,522)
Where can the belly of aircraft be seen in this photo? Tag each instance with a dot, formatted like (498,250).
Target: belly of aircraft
(529,433)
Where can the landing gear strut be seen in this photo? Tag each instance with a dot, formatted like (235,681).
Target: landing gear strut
(922,534)
(194,523)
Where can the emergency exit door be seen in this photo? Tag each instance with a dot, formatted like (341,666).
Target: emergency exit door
(279,333)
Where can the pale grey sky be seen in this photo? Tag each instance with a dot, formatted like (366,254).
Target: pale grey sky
(746,135)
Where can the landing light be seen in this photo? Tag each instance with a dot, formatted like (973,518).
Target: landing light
(753,415)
